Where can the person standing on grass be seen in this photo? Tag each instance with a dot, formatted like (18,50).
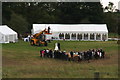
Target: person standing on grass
(50,53)
(80,55)
(55,53)
(102,53)
(58,46)
(88,56)
(47,52)
(90,53)
(85,55)
(97,54)
(71,54)
(41,53)
(93,53)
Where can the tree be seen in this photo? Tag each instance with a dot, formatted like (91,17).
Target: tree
(18,23)
(23,15)
(111,18)
(76,12)
(110,7)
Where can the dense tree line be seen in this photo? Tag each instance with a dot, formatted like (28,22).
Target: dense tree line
(21,16)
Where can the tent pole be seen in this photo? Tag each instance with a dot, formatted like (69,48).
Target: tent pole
(89,36)
(76,36)
(70,36)
(83,36)
(64,35)
(95,37)
(101,37)
(58,36)
(107,37)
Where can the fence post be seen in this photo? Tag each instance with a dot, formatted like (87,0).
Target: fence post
(96,76)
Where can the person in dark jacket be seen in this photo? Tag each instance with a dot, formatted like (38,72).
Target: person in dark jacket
(58,46)
(71,54)
(103,53)
(90,54)
(85,55)
(50,53)
(96,54)
(55,54)
(48,29)
(41,53)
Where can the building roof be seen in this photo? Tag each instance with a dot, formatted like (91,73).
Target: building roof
(69,28)
(4,29)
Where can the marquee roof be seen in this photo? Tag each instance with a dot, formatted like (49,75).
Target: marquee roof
(4,29)
(98,28)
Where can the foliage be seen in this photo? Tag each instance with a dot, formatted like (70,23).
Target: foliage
(53,12)
(20,24)
(112,18)
(57,12)
(110,7)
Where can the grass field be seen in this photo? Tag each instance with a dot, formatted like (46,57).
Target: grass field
(20,60)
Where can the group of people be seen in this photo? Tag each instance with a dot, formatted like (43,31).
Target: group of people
(72,55)
(89,55)
(54,54)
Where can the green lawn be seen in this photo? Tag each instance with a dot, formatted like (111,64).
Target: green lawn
(20,60)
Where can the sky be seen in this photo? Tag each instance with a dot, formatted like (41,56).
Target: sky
(105,2)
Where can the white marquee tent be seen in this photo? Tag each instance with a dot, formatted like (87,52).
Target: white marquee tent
(7,35)
(98,32)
